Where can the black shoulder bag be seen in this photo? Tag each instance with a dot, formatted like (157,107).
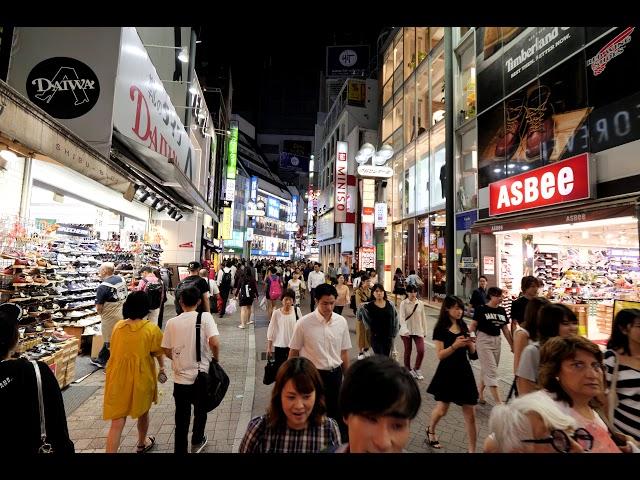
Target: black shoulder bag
(211,386)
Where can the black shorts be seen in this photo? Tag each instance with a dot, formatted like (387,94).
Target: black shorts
(246,302)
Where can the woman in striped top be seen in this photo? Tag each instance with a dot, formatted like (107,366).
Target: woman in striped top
(624,349)
(295,421)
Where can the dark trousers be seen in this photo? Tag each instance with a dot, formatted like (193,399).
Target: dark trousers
(381,345)
(224,293)
(332,381)
(280,355)
(406,340)
(313,299)
(338,309)
(184,396)
(161,315)
(104,354)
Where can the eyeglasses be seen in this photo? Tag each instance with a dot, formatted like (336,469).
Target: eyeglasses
(581,366)
(560,441)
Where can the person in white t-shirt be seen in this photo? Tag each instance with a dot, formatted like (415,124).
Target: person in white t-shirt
(179,344)
(280,331)
(295,284)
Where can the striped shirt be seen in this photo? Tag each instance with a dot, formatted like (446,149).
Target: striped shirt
(260,438)
(627,414)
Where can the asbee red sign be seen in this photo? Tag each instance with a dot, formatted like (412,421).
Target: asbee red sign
(560,182)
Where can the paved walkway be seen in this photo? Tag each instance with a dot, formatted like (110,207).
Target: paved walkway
(242,356)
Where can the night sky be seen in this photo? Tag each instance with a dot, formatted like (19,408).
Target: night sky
(275,69)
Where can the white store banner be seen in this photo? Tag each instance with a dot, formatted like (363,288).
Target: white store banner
(381,215)
(341,182)
(143,110)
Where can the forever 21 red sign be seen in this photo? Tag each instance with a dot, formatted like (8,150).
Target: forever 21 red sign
(560,182)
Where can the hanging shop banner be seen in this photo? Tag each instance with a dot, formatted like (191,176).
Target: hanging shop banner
(380,252)
(293,209)
(367,234)
(340,202)
(230,189)
(347,61)
(227,223)
(560,182)
(232,151)
(488,265)
(381,215)
(74,230)
(69,73)
(254,188)
(143,110)
(367,257)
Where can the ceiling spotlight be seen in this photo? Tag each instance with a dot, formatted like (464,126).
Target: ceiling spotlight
(171,211)
(162,206)
(193,90)
(154,201)
(144,195)
(183,56)
(178,217)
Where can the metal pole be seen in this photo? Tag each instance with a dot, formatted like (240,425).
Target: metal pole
(27,177)
(192,64)
(449,159)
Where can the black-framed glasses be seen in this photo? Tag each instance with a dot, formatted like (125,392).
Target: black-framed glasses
(560,441)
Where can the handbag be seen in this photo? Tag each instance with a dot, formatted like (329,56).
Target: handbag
(211,386)
(270,371)
(45,447)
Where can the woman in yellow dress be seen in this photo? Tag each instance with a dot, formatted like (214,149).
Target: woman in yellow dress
(131,385)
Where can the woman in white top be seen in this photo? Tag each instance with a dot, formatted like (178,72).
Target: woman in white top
(280,330)
(343,295)
(413,326)
(295,284)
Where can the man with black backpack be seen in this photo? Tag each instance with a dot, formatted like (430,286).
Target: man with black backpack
(151,285)
(225,284)
(194,280)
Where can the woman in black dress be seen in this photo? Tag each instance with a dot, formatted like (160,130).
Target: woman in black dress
(453,380)
(380,317)
(399,285)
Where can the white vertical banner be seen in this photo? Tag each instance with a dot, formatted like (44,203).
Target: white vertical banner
(341,182)
(381,215)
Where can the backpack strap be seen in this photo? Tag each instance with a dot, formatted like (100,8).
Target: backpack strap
(198,321)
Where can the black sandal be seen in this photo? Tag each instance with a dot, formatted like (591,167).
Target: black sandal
(145,448)
(432,443)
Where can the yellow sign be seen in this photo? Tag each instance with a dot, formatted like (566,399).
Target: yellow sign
(622,304)
(357,93)
(227,223)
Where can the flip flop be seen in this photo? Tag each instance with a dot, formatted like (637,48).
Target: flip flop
(145,448)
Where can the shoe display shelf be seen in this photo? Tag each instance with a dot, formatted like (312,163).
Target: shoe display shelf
(546,266)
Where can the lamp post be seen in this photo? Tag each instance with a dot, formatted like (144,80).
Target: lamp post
(379,172)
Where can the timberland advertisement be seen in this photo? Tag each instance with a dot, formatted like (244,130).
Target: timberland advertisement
(581,105)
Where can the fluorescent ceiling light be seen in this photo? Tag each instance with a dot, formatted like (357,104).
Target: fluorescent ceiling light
(183,56)
(193,90)
(575,226)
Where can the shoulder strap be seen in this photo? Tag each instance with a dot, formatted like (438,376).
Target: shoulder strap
(414,311)
(295,309)
(613,394)
(198,321)
(43,427)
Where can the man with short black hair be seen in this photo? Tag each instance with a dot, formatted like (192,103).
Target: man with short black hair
(316,278)
(333,273)
(479,295)
(179,344)
(194,280)
(323,337)
(225,284)
(529,286)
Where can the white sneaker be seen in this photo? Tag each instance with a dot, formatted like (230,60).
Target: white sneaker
(240,326)
(418,375)
(361,356)
(197,447)
(413,373)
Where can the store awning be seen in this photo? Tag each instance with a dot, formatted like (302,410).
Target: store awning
(34,133)
(558,216)
(161,173)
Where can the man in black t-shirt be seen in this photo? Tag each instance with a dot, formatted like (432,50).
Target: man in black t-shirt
(488,321)
(479,295)
(194,280)
(529,286)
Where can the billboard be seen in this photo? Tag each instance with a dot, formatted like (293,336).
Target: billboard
(348,61)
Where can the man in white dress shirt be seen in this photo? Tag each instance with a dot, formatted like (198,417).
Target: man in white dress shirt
(322,336)
(316,278)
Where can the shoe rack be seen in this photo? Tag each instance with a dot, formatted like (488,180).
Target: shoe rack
(546,265)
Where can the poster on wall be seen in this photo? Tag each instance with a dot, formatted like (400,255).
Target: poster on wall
(543,123)
(488,265)
(367,257)
(367,235)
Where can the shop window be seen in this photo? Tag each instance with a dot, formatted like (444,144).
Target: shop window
(411,62)
(467,85)
(437,34)
(467,173)
(387,91)
(397,51)
(398,187)
(387,120)
(410,120)
(437,257)
(397,247)
(398,116)
(409,189)
(467,263)
(408,246)
(422,94)
(422,267)
(437,174)
(397,79)
(437,89)
(387,66)
(422,44)
(422,174)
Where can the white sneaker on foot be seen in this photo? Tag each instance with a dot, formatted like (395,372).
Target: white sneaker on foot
(197,447)
(361,356)
(240,326)
(413,373)
(418,375)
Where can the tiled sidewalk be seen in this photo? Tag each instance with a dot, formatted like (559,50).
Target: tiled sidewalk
(225,425)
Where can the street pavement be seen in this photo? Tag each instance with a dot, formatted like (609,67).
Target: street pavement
(242,355)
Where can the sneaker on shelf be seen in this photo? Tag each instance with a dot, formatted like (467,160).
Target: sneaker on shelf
(418,375)
(198,447)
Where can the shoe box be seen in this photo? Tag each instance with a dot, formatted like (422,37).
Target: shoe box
(96,345)
(63,362)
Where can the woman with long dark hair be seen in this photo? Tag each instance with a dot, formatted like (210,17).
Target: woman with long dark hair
(453,380)
(379,316)
(247,293)
(622,362)
(296,420)
(399,285)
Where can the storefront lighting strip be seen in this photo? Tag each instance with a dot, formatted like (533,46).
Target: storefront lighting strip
(576,226)
(273,195)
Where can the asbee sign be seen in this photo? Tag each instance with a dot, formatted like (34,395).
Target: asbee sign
(560,182)
(341,182)
(63,87)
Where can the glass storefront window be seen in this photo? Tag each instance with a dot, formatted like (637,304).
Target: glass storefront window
(423,255)
(410,121)
(437,174)
(467,85)
(387,120)
(397,183)
(422,174)
(387,91)
(422,43)
(437,257)
(408,203)
(408,246)
(437,34)
(411,62)
(467,173)
(387,66)
(437,89)
(397,247)
(397,51)
(397,122)
(422,92)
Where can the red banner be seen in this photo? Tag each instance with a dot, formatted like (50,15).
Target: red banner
(560,182)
